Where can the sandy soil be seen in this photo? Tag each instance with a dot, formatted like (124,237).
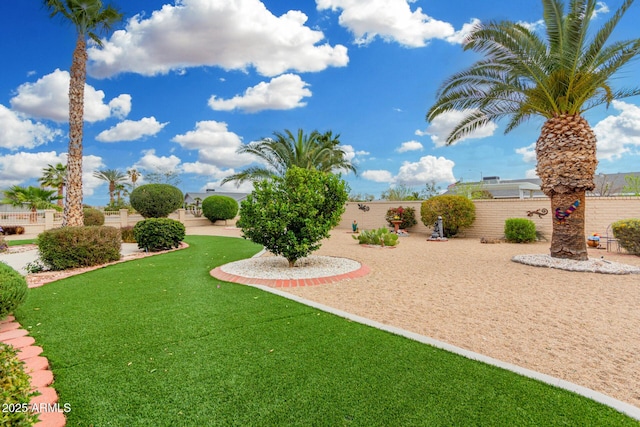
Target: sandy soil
(581,327)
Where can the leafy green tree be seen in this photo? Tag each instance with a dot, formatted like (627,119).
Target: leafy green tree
(457,212)
(558,78)
(632,185)
(55,177)
(89,17)
(399,193)
(290,215)
(164,176)
(315,151)
(114,177)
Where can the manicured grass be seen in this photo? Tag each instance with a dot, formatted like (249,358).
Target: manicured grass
(20,242)
(159,342)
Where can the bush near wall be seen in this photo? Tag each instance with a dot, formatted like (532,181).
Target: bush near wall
(457,212)
(8,230)
(74,247)
(520,230)
(627,231)
(92,216)
(406,215)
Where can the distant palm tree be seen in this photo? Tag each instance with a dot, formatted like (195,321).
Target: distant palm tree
(113,177)
(33,198)
(56,177)
(557,78)
(314,151)
(88,17)
(133,176)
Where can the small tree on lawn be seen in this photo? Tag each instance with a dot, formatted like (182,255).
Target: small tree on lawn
(291,215)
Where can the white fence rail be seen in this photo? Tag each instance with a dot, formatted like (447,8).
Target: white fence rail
(36,222)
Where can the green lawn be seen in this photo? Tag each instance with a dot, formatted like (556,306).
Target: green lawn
(158,342)
(20,242)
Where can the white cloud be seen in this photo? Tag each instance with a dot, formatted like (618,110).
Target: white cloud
(215,144)
(601,7)
(533,26)
(281,93)
(392,20)
(619,134)
(204,169)
(17,169)
(229,34)
(460,36)
(377,175)
(427,169)
(245,187)
(409,146)
(48,98)
(362,153)
(152,163)
(528,153)
(16,132)
(441,127)
(531,173)
(130,130)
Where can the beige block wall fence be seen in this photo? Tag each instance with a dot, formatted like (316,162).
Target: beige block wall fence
(491,215)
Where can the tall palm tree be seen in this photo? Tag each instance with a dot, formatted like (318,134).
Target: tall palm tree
(314,151)
(33,198)
(114,177)
(558,78)
(55,177)
(89,17)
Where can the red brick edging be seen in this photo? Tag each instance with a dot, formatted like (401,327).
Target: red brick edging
(38,368)
(289,283)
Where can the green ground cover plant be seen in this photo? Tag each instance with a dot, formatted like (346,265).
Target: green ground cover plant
(520,230)
(157,341)
(15,390)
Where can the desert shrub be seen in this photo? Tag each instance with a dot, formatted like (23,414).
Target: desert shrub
(290,215)
(520,230)
(15,390)
(381,237)
(219,208)
(627,231)
(13,290)
(127,234)
(458,213)
(73,247)
(93,216)
(406,215)
(12,229)
(156,200)
(158,234)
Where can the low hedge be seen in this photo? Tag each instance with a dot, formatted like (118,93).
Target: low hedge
(93,216)
(74,247)
(216,208)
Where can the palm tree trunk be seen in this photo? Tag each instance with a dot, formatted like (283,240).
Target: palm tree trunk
(60,195)
(566,154)
(72,215)
(568,238)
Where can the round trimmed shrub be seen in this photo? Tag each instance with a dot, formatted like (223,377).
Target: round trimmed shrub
(13,290)
(74,247)
(156,200)
(93,216)
(158,234)
(457,212)
(519,230)
(216,208)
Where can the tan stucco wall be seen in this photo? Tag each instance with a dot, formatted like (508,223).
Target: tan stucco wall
(491,214)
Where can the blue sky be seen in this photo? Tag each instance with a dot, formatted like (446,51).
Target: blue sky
(181,85)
